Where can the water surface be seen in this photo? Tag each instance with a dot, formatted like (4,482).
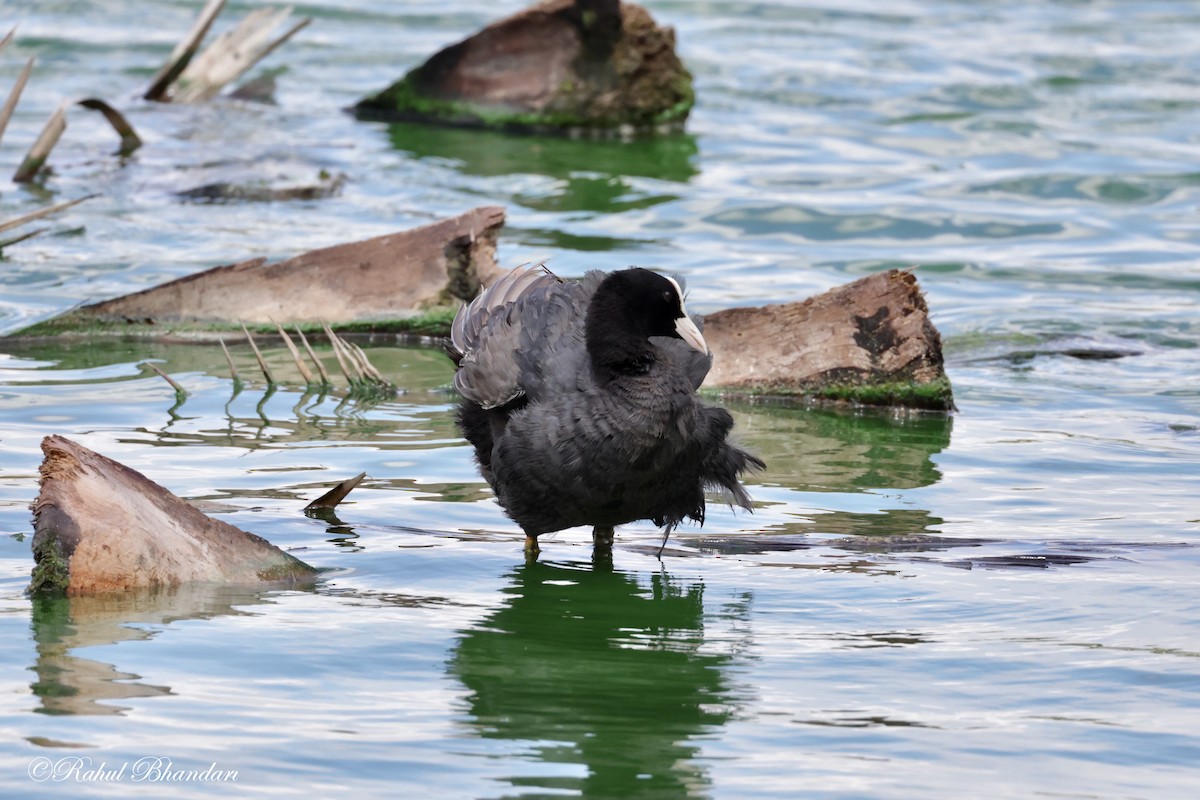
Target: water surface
(1003,603)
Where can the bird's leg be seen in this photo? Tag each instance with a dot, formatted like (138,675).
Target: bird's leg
(666,535)
(531,546)
(602,537)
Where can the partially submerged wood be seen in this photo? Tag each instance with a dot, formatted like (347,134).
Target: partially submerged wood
(868,341)
(562,65)
(188,77)
(325,185)
(184,52)
(100,526)
(337,494)
(35,159)
(389,277)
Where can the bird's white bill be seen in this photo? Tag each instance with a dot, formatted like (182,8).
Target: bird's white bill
(688,331)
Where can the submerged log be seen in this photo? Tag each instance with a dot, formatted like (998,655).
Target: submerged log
(390,277)
(869,341)
(100,526)
(598,66)
(190,78)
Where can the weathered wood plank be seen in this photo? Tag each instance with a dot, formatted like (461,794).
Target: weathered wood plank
(868,341)
(383,278)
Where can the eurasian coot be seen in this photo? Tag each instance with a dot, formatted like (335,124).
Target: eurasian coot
(579,398)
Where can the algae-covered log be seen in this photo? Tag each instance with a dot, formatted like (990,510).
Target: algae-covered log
(385,278)
(868,341)
(100,526)
(561,66)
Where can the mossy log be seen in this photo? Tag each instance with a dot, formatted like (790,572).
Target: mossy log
(568,66)
(100,527)
(869,341)
(395,277)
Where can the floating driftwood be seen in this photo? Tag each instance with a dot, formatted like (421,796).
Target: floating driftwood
(392,278)
(326,185)
(100,526)
(869,341)
(562,65)
(190,78)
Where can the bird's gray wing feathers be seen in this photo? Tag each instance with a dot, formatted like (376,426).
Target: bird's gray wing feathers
(486,334)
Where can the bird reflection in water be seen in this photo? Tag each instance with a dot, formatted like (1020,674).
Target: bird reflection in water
(596,668)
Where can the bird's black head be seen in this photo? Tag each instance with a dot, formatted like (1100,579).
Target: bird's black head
(629,307)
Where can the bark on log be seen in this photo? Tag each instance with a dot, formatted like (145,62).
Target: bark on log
(597,66)
(100,526)
(386,278)
(868,341)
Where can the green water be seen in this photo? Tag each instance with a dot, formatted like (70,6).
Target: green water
(998,604)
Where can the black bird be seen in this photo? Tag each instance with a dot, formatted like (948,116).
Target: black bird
(579,398)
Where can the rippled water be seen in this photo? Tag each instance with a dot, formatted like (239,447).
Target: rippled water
(999,604)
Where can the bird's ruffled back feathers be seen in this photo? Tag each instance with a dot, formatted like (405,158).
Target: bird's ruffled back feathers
(486,334)
(523,336)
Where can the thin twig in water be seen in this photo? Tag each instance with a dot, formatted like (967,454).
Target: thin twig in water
(180,392)
(233,373)
(320,367)
(368,367)
(337,352)
(41,212)
(291,346)
(262,364)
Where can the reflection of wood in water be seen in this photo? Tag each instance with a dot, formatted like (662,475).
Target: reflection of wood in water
(70,684)
(589,667)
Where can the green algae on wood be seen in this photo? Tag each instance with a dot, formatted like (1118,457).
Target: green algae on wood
(869,341)
(936,395)
(597,67)
(390,277)
(428,322)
